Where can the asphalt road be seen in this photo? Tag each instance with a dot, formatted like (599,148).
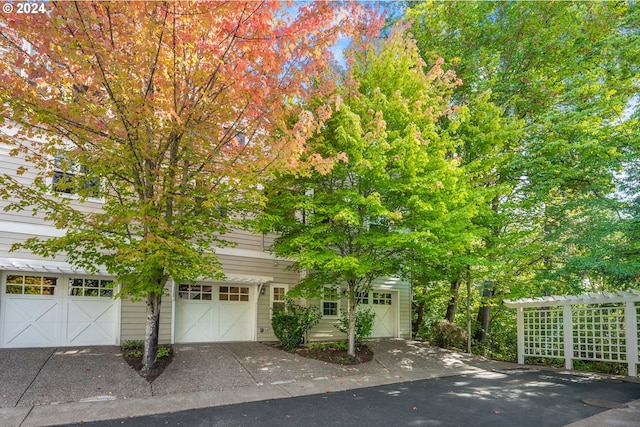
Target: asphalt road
(506,398)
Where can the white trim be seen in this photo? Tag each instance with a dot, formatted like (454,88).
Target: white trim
(588,298)
(246,279)
(173,310)
(272,287)
(45,266)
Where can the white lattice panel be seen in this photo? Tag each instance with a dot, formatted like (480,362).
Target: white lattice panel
(543,332)
(599,333)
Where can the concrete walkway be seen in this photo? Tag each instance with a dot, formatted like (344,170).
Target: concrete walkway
(69,385)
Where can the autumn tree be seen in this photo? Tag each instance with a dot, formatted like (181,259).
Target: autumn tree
(168,113)
(382,181)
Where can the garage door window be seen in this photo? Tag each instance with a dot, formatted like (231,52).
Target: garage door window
(195,292)
(31,285)
(234,293)
(80,287)
(382,298)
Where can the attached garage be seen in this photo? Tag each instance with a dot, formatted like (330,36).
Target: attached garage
(53,310)
(218,311)
(211,312)
(383,304)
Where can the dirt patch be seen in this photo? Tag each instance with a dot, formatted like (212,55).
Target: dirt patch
(336,355)
(134,359)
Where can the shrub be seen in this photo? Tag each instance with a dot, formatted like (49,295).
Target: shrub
(447,335)
(290,325)
(364,323)
(163,352)
(132,345)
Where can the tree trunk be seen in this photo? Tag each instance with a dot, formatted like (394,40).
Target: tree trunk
(149,358)
(352,325)
(468,309)
(453,301)
(484,316)
(419,309)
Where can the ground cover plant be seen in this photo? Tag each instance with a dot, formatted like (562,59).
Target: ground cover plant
(132,352)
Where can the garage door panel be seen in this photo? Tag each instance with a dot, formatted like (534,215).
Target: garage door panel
(46,311)
(235,322)
(90,322)
(30,322)
(382,305)
(226,315)
(195,321)
(383,322)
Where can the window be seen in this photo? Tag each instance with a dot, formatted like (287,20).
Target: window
(69,178)
(233,293)
(330,301)
(382,298)
(31,285)
(195,292)
(80,287)
(362,297)
(277,299)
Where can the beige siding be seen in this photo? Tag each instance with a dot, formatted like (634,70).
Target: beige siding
(134,318)
(326,331)
(7,239)
(9,165)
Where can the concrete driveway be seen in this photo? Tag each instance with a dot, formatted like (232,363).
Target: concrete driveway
(66,385)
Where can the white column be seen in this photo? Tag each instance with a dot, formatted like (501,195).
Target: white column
(631,337)
(520,322)
(172,285)
(567,321)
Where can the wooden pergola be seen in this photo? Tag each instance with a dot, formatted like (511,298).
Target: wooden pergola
(593,326)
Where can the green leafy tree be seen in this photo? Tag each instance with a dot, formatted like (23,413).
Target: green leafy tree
(384,180)
(568,73)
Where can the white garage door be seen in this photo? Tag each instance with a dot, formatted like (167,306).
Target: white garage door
(42,310)
(382,304)
(209,312)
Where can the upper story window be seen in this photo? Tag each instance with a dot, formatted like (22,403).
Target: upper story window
(330,301)
(70,178)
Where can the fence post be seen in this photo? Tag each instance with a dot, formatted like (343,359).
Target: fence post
(520,324)
(567,328)
(631,337)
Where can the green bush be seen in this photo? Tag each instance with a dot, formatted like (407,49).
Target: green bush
(290,325)
(132,345)
(163,352)
(364,323)
(447,335)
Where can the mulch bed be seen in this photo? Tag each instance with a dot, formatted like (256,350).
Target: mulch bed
(337,356)
(136,363)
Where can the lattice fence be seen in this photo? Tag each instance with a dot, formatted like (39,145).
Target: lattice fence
(595,327)
(543,333)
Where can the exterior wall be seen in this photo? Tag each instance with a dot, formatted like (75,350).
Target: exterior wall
(325,330)
(134,318)
(249,257)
